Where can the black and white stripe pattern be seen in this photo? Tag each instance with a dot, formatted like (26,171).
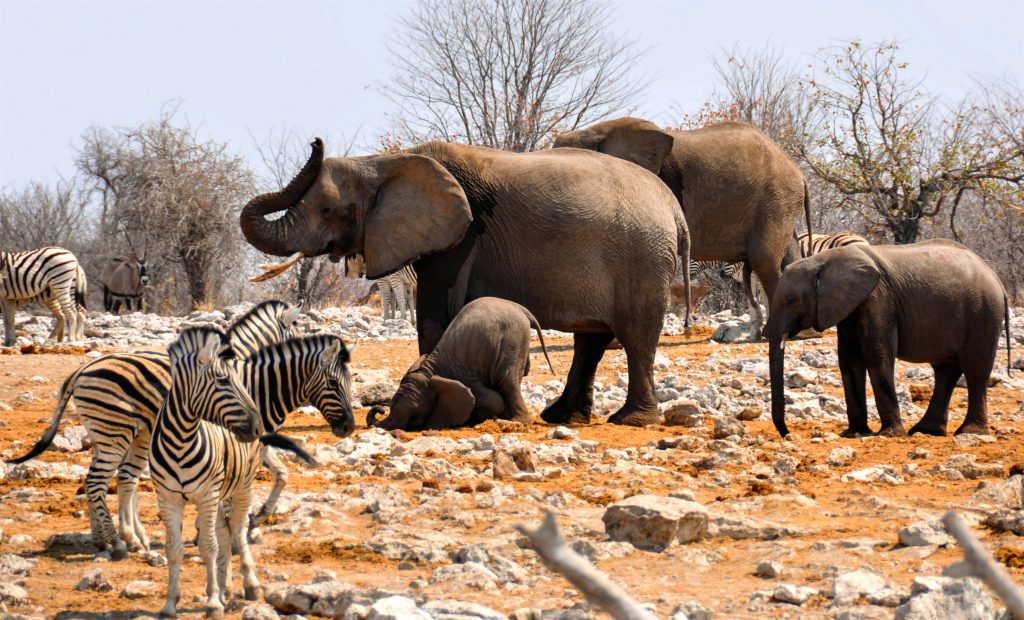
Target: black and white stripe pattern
(808,247)
(117,397)
(204,453)
(398,291)
(50,276)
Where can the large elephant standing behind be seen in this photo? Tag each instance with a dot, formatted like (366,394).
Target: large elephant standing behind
(587,243)
(741,194)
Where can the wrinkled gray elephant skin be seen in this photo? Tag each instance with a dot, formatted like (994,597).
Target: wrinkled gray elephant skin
(933,302)
(587,242)
(473,374)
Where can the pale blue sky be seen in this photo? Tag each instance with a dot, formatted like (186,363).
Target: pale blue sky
(252,67)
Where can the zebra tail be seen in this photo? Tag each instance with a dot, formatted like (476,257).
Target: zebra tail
(1006,317)
(283,442)
(536,325)
(80,290)
(44,442)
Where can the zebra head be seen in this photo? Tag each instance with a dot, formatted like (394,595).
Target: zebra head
(328,386)
(210,384)
(266,323)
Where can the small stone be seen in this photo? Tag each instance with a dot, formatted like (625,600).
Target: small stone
(769,569)
(140,588)
(512,460)
(925,533)
(729,427)
(841,456)
(259,611)
(396,608)
(94,580)
(801,377)
(918,453)
(684,413)
(848,587)
(749,413)
(653,522)
(945,598)
(563,432)
(792,594)
(13,594)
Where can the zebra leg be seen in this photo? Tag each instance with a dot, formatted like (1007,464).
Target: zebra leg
(171,507)
(60,324)
(223,552)
(101,470)
(237,517)
(755,328)
(400,300)
(280,472)
(9,334)
(385,298)
(208,507)
(129,522)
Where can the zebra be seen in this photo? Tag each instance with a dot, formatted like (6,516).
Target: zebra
(397,290)
(117,397)
(808,247)
(204,451)
(51,276)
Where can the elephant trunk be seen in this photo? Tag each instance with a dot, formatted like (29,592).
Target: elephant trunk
(776,358)
(372,417)
(280,237)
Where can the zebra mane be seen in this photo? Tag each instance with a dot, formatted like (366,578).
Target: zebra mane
(259,308)
(298,341)
(191,340)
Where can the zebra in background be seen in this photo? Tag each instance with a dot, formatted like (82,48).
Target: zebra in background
(205,452)
(809,246)
(117,397)
(51,276)
(397,290)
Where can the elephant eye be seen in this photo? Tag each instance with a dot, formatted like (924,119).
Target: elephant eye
(325,210)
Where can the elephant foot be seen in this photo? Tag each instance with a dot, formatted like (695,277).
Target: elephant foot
(526,419)
(556,413)
(628,416)
(855,433)
(973,428)
(891,431)
(933,429)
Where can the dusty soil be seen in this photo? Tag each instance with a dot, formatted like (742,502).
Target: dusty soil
(719,572)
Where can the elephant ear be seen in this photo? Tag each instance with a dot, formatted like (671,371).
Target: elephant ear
(453,403)
(645,147)
(846,278)
(420,209)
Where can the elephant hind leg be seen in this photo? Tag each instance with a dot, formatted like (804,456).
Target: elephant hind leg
(937,415)
(641,407)
(577,399)
(976,421)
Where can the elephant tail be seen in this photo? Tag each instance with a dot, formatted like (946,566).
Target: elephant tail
(536,325)
(1006,318)
(807,216)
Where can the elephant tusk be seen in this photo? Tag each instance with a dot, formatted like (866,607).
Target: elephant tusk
(272,270)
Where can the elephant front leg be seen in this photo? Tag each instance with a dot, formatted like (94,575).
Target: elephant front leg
(489,404)
(576,402)
(937,416)
(882,372)
(853,371)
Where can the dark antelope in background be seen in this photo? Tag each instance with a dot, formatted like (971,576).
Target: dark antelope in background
(124,280)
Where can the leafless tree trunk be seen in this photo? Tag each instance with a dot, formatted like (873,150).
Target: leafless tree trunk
(508,73)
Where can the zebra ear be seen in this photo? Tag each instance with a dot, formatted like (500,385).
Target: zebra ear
(290,316)
(210,349)
(352,348)
(420,209)
(331,353)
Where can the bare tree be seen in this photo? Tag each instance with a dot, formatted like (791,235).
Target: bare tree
(179,195)
(895,152)
(508,73)
(39,215)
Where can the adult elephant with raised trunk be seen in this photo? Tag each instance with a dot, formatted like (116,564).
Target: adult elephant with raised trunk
(741,194)
(586,242)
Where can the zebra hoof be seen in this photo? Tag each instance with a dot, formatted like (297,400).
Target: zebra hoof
(253,593)
(119,552)
(215,613)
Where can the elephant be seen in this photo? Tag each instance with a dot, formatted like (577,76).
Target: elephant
(124,280)
(586,242)
(934,301)
(473,374)
(740,193)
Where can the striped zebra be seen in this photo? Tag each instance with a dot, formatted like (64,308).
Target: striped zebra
(397,290)
(117,397)
(809,246)
(50,276)
(204,452)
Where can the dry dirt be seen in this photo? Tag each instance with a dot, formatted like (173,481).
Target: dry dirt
(839,511)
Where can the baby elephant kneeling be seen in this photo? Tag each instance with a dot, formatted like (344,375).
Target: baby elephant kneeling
(474,373)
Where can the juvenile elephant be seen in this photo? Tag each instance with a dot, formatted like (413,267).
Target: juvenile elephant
(933,302)
(473,374)
(741,194)
(586,242)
